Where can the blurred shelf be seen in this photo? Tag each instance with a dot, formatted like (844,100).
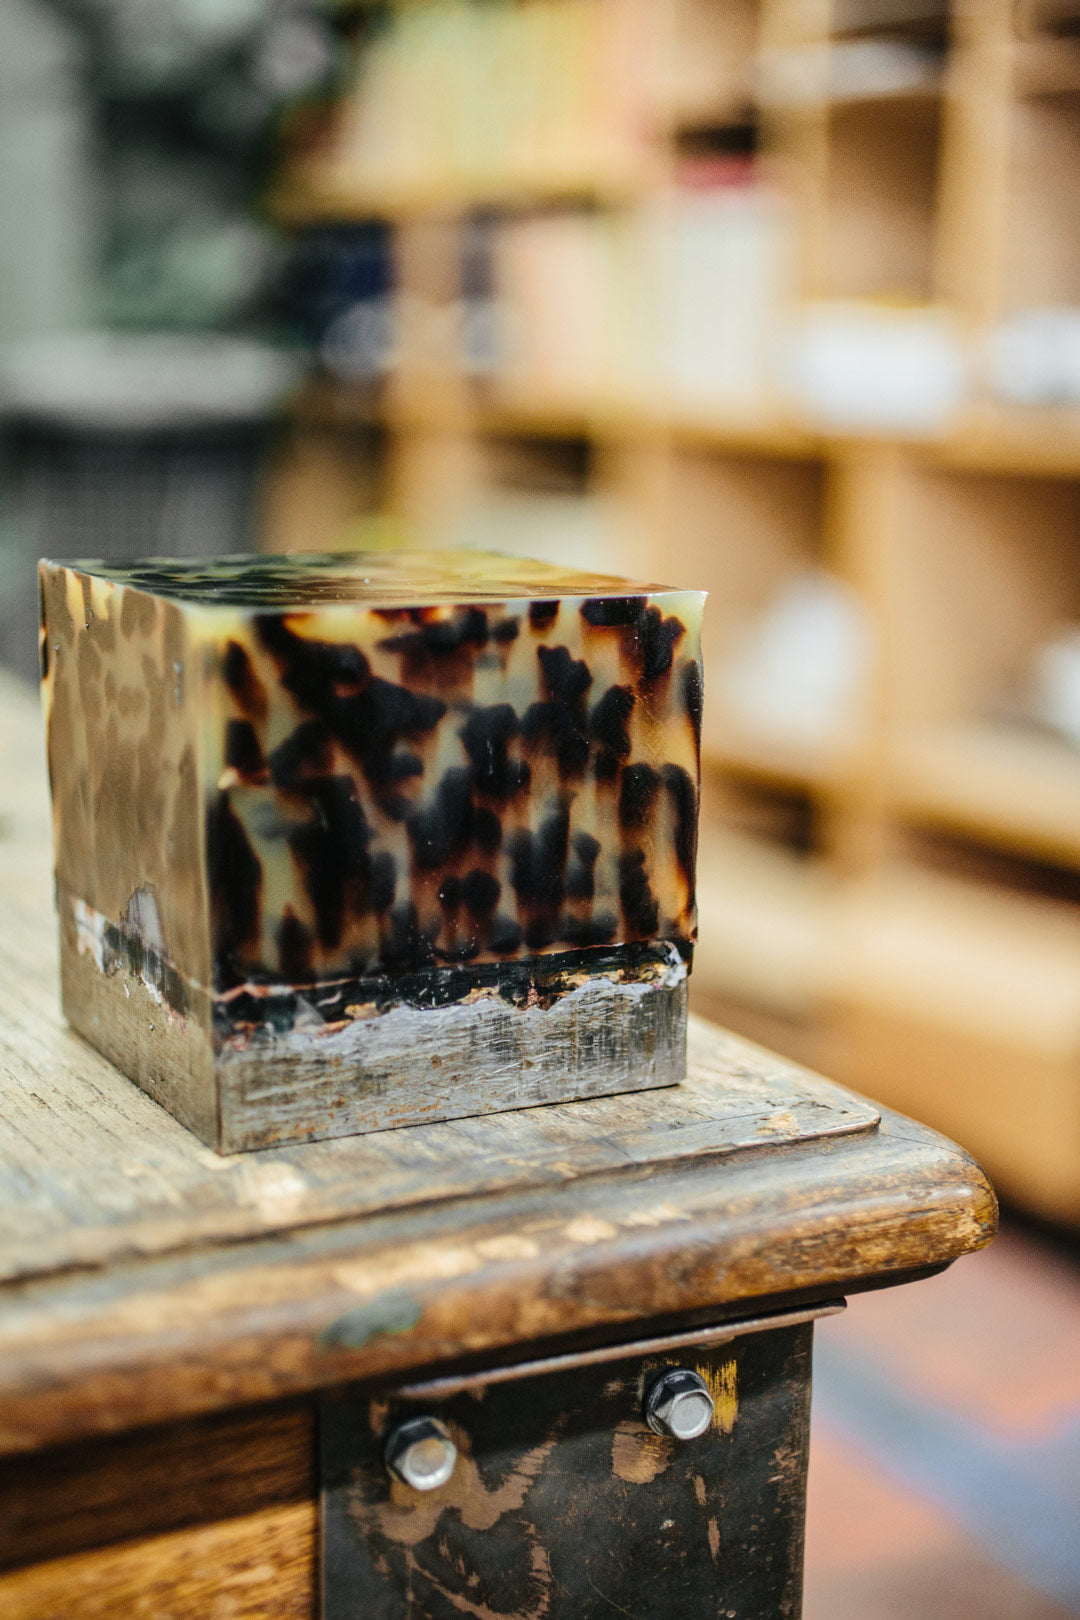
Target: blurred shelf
(436,410)
(1046,67)
(763,923)
(784,767)
(1012,789)
(298,203)
(1037,441)
(961,1005)
(429,410)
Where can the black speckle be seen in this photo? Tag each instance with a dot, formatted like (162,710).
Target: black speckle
(304,754)
(640,907)
(682,792)
(313,671)
(581,876)
(382,882)
(404,764)
(487,830)
(538,861)
(294,949)
(610,612)
(368,716)
(657,638)
(242,750)
(486,735)
(506,630)
(560,731)
(565,678)
(239,676)
(235,875)
(607,722)
(504,936)
(542,615)
(437,639)
(693,692)
(480,892)
(441,830)
(599,929)
(332,849)
(405,944)
(449,895)
(637,795)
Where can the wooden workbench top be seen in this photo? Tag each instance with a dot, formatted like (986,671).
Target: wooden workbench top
(144,1277)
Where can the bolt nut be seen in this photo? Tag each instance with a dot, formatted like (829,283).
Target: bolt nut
(421,1453)
(679,1405)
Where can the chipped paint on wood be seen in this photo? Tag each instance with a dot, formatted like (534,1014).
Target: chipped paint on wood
(637,1454)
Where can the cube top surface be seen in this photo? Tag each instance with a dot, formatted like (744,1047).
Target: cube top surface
(301,580)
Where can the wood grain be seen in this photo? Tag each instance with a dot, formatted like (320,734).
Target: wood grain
(153,1482)
(258,1566)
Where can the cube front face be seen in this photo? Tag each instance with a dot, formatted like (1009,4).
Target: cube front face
(388,838)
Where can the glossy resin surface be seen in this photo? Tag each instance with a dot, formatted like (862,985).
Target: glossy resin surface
(393,778)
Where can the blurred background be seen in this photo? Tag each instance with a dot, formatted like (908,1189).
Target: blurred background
(776,297)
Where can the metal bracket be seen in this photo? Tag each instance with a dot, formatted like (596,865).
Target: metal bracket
(706,1338)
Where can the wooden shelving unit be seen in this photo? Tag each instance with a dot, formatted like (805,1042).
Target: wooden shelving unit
(848,912)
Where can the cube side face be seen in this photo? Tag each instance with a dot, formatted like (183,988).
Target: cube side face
(120,700)
(452,852)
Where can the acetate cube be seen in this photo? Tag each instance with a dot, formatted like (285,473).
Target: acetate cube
(355,841)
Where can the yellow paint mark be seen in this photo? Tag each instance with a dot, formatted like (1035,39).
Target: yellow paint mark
(699,1490)
(587,1229)
(714,1539)
(721,1383)
(638,1455)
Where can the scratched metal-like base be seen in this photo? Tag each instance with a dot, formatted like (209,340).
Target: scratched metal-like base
(563,1504)
(264,1064)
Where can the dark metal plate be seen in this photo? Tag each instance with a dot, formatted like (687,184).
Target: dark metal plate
(564,1506)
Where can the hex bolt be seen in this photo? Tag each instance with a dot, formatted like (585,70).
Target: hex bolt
(679,1405)
(421,1453)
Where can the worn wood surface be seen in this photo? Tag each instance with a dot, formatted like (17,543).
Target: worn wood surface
(146,1277)
(214,1517)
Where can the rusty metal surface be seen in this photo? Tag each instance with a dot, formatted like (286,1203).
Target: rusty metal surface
(564,1506)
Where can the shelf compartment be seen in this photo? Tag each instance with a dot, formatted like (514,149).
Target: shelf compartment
(961,1006)
(981,570)
(1013,789)
(747,528)
(1041,247)
(763,923)
(880,197)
